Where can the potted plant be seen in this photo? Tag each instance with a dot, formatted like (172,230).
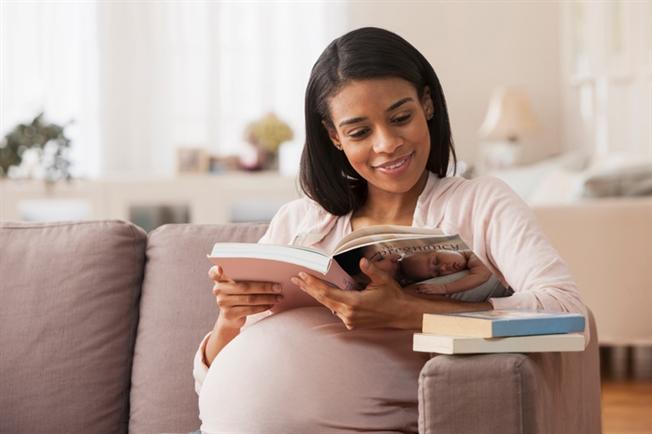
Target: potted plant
(50,144)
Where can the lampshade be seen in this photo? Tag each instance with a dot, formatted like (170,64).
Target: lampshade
(509,116)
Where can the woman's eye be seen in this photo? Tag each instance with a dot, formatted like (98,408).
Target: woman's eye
(402,119)
(356,134)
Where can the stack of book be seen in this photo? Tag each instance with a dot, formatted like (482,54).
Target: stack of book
(500,331)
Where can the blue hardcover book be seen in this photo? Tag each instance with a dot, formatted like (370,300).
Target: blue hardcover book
(496,323)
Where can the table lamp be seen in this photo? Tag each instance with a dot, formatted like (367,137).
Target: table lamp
(509,119)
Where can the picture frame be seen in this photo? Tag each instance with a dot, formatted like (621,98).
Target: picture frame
(192,160)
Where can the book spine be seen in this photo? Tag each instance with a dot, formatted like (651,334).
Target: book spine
(521,344)
(431,344)
(514,344)
(537,326)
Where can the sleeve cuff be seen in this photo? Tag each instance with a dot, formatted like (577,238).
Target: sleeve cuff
(516,301)
(200,367)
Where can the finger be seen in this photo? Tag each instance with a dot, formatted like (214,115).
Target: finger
(412,290)
(216,273)
(321,291)
(431,289)
(248,300)
(376,275)
(248,287)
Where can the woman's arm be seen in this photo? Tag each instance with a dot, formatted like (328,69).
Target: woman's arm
(414,306)
(228,326)
(506,235)
(221,335)
(507,232)
(209,348)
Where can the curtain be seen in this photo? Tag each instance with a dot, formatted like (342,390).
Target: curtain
(141,79)
(48,62)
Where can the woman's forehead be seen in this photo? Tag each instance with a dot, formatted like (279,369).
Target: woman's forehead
(357,97)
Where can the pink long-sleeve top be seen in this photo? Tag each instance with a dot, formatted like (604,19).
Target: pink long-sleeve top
(489,217)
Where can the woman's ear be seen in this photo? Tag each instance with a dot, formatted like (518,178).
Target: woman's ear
(427,104)
(332,134)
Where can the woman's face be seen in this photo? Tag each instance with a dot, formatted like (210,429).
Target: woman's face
(381,126)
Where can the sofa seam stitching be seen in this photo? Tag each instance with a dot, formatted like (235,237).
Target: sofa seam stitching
(519,381)
(131,347)
(425,396)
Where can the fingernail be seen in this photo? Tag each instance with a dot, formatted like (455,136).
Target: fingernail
(365,262)
(303,275)
(277,287)
(295,281)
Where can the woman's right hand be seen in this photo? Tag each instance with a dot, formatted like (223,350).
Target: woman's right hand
(237,300)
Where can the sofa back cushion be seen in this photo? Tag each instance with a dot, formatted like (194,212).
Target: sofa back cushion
(177,310)
(68,313)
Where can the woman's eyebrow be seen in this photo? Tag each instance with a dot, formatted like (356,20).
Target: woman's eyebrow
(397,104)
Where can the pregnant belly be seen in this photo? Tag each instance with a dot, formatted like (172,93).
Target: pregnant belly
(302,371)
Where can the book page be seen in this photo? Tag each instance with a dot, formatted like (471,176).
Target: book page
(299,255)
(374,239)
(381,233)
(434,265)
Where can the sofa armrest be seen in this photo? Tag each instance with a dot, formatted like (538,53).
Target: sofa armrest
(512,393)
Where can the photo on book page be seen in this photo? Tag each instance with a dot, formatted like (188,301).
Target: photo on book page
(438,265)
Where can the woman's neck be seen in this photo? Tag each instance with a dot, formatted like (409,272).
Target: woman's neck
(384,207)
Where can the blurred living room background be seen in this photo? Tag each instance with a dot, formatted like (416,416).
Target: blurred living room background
(148,109)
(163,112)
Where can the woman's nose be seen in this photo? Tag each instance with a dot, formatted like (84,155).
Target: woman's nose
(387,141)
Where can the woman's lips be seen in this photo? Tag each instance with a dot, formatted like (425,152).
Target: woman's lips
(393,162)
(397,166)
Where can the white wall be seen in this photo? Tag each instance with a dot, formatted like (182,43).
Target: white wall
(476,47)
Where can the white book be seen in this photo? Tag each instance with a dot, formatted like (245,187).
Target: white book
(430,343)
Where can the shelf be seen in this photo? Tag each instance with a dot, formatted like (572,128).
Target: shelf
(209,199)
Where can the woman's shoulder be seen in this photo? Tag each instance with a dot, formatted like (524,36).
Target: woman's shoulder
(483,191)
(296,218)
(459,187)
(301,209)
(453,198)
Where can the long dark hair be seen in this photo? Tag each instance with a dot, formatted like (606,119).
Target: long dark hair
(325,174)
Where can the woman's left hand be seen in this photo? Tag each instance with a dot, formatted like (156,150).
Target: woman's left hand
(380,304)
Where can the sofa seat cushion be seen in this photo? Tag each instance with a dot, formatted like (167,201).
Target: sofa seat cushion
(68,312)
(177,310)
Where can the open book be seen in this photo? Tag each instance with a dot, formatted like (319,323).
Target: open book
(426,261)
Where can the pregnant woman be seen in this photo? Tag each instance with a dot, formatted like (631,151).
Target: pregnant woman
(378,150)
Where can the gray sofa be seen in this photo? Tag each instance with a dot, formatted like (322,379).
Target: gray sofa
(99,323)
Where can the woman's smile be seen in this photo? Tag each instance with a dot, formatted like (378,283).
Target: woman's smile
(397,166)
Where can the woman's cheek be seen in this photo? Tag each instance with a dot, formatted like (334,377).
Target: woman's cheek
(418,133)
(358,158)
